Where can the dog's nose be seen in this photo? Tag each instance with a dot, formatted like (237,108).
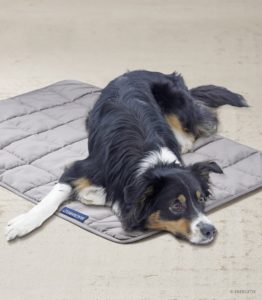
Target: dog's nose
(208,230)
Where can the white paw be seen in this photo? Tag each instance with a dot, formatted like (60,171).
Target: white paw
(185,140)
(186,146)
(92,195)
(21,226)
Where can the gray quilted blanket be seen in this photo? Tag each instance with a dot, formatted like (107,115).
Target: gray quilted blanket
(43,131)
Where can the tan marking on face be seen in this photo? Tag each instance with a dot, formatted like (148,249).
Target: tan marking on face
(181,226)
(81,183)
(198,194)
(182,198)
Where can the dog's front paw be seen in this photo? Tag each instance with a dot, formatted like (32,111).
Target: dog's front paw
(186,146)
(185,140)
(21,226)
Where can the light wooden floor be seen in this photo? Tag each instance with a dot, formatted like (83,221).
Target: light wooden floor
(209,42)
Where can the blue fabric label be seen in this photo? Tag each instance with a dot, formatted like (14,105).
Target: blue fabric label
(74,214)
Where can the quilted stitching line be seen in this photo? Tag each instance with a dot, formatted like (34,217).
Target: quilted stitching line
(208,156)
(31,113)
(221,188)
(64,104)
(243,158)
(213,141)
(210,206)
(246,157)
(55,150)
(219,160)
(79,97)
(37,186)
(234,167)
(26,163)
(31,134)
(67,122)
(59,148)
(231,165)
(53,118)
(41,138)
(39,110)
(104,220)
(253,175)
(85,94)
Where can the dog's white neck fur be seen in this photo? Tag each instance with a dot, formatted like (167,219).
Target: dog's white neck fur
(153,158)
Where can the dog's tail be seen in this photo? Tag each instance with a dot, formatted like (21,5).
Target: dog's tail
(215,96)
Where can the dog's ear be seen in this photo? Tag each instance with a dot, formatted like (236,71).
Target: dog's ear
(202,171)
(138,199)
(205,167)
(136,204)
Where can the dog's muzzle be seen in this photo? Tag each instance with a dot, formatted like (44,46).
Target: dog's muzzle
(202,231)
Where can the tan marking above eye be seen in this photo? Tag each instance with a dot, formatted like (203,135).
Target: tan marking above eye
(198,195)
(182,198)
(180,226)
(81,183)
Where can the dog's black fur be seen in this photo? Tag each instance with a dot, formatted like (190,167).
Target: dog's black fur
(127,123)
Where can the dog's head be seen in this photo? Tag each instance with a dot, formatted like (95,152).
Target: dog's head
(172,199)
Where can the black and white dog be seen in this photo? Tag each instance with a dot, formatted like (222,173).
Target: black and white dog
(137,130)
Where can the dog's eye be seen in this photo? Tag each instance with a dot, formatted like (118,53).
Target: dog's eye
(176,206)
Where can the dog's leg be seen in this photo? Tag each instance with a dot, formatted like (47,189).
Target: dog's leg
(173,98)
(88,193)
(206,99)
(84,177)
(185,139)
(31,220)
